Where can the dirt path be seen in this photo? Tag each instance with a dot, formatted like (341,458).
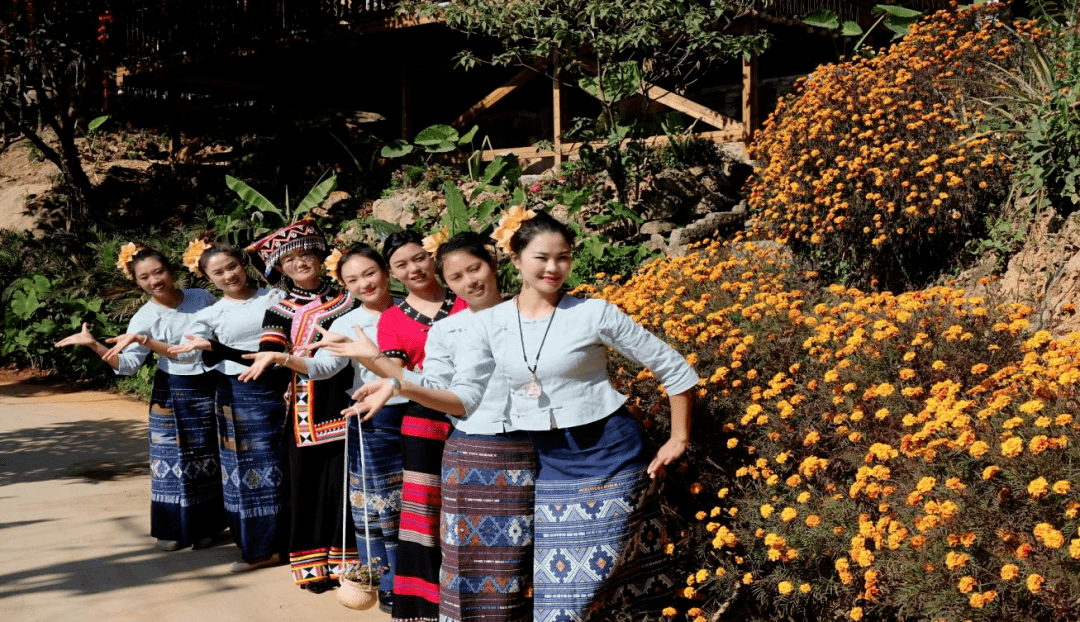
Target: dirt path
(75,524)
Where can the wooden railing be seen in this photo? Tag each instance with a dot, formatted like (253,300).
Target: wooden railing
(164,31)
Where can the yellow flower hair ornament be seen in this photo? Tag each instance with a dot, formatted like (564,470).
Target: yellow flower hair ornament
(127,251)
(509,223)
(194,252)
(331,264)
(432,242)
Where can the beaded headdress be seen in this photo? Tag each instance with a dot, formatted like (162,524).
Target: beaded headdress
(302,234)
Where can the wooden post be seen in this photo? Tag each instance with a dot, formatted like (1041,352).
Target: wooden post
(750,90)
(556,109)
(172,97)
(406,103)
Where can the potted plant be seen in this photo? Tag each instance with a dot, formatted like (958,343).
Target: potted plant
(359,585)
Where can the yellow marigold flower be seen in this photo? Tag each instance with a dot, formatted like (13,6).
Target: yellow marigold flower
(813,520)
(1009,572)
(803,497)
(788,514)
(689,592)
(700,515)
(926,484)
(793,481)
(1039,444)
(784,587)
(1010,449)
(979,368)
(954,560)
(695,488)
(856,614)
(767,510)
(1063,420)
(865,558)
(978,601)
(1062,486)
(978,449)
(722,493)
(811,437)
(908,356)
(747,578)
(966,584)
(907,373)
(693,612)
(1074,548)
(1035,583)
(884,390)
(938,365)
(701,575)
(732,443)
(1042,422)
(955,483)
(721,572)
(1011,423)
(668,612)
(1037,487)
(1031,407)
(805,588)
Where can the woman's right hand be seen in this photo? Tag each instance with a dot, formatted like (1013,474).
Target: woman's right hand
(370,399)
(81,338)
(193,343)
(361,348)
(262,361)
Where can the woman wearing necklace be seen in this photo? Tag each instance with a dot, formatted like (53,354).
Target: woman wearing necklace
(251,416)
(402,332)
(185,484)
(316,442)
(488,468)
(597,536)
(367,277)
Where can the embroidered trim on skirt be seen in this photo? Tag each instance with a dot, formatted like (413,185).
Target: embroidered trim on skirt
(254,462)
(382,453)
(185,473)
(416,583)
(487,520)
(316,478)
(599,536)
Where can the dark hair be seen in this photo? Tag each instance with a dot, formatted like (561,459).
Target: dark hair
(542,222)
(217,248)
(361,250)
(398,239)
(144,253)
(467,242)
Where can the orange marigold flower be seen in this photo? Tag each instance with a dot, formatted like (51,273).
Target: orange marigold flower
(1035,583)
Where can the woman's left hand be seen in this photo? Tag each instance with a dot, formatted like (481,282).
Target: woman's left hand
(123,341)
(670,452)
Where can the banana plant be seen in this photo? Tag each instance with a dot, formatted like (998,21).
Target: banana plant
(261,215)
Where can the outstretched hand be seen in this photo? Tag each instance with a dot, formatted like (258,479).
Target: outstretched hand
(193,343)
(370,399)
(360,348)
(81,338)
(328,338)
(262,361)
(670,452)
(121,342)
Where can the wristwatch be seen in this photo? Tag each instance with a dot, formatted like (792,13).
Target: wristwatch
(395,385)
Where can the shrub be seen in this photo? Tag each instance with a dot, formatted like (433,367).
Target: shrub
(872,169)
(906,457)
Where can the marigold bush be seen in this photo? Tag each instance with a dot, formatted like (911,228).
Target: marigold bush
(875,168)
(908,457)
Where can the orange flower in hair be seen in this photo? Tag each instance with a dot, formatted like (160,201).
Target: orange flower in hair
(331,264)
(509,223)
(127,251)
(432,242)
(191,256)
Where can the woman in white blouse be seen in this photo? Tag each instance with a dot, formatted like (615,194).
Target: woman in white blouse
(185,490)
(598,537)
(251,416)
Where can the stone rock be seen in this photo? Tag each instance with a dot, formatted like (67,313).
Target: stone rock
(676,182)
(661,206)
(697,171)
(740,207)
(336,204)
(654,227)
(404,207)
(710,183)
(656,242)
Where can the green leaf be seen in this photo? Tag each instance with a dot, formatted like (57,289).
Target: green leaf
(442,147)
(95,123)
(316,195)
(23,304)
(599,220)
(41,284)
(518,197)
(595,244)
(382,228)
(897,11)
(822,18)
(45,326)
(850,29)
(625,212)
(493,171)
(456,218)
(435,135)
(467,138)
(485,210)
(396,149)
(575,199)
(251,197)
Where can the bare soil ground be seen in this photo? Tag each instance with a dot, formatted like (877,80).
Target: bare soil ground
(74,524)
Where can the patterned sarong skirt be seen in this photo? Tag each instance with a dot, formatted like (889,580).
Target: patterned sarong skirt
(382,503)
(598,536)
(251,419)
(487,534)
(185,471)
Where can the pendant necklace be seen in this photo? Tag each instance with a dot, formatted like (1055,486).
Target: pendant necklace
(533,388)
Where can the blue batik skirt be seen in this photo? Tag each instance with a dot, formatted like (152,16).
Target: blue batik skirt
(598,534)
(251,419)
(185,471)
(382,503)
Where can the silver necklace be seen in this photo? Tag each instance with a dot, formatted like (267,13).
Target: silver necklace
(532,388)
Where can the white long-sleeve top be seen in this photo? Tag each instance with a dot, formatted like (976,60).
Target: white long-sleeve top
(168,325)
(443,353)
(324,365)
(572,366)
(235,323)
